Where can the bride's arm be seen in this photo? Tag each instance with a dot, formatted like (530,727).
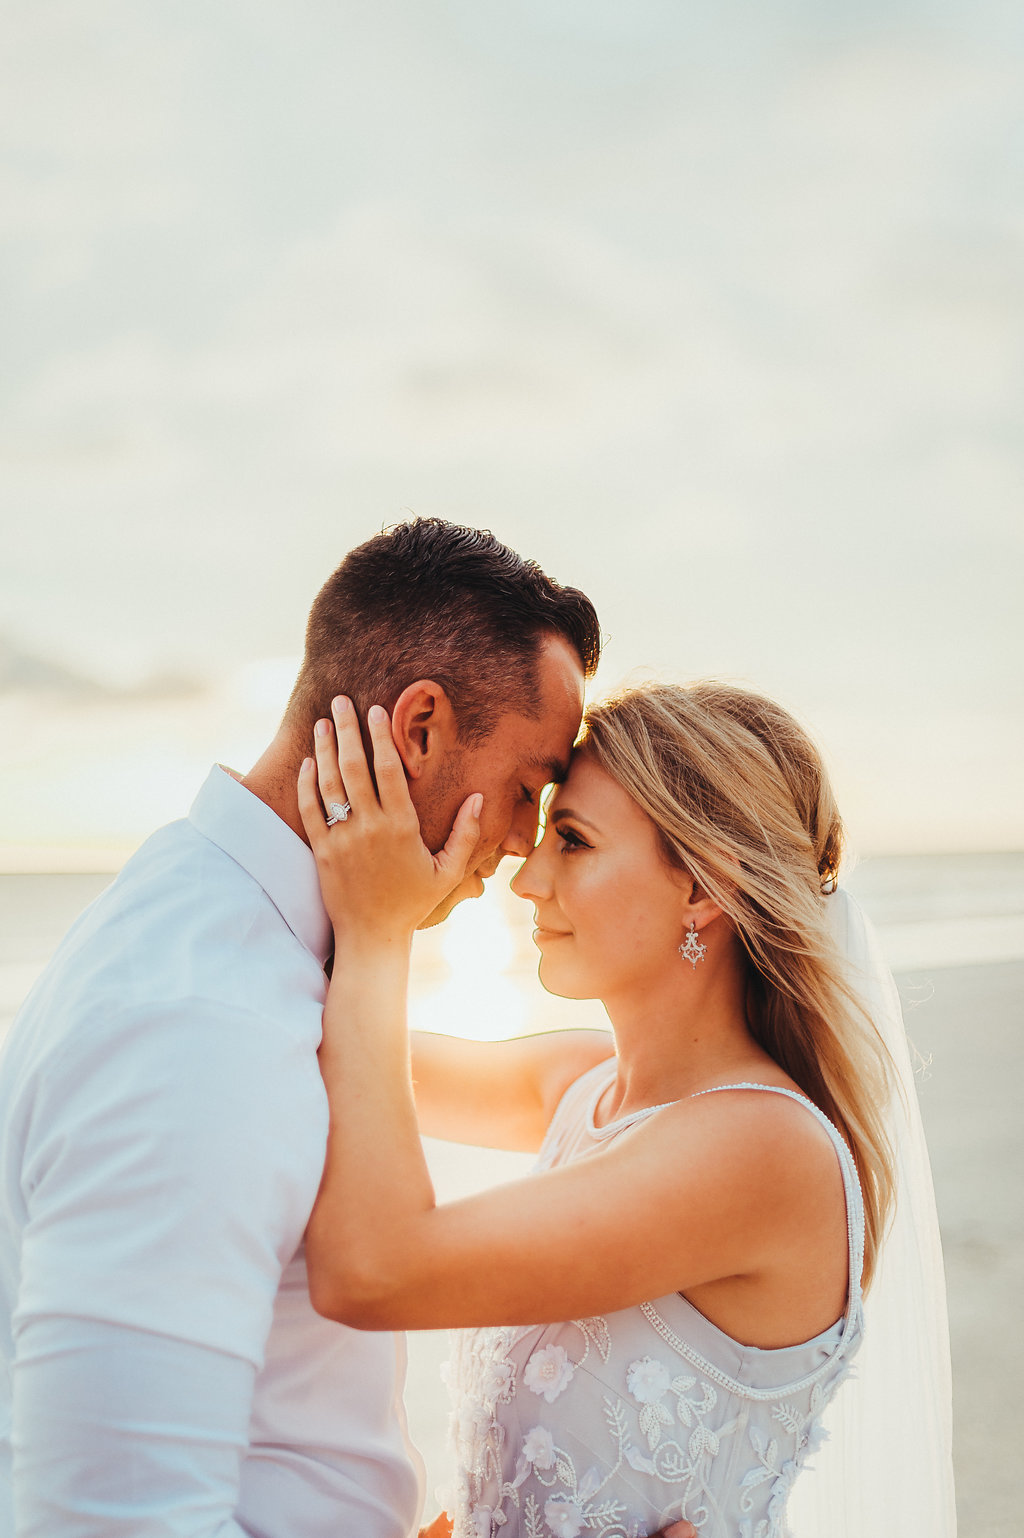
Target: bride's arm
(498,1094)
(689,1196)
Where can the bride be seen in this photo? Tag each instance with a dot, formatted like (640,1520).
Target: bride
(654,1325)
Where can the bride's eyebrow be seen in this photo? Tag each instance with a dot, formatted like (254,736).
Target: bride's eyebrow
(566,811)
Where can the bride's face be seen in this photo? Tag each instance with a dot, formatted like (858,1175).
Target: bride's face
(609,909)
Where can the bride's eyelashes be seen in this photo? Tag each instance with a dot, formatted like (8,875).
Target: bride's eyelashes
(571,840)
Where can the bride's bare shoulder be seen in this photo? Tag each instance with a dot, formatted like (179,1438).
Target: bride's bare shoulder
(767,1138)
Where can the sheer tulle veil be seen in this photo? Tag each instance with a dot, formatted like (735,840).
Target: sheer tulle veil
(886,1468)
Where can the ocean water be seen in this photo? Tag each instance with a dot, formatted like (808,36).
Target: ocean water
(932,911)
(938,910)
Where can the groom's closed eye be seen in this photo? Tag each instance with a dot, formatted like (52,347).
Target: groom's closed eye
(547,771)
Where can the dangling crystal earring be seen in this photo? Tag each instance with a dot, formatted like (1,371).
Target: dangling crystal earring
(691,949)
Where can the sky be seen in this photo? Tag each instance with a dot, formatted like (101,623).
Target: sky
(717,312)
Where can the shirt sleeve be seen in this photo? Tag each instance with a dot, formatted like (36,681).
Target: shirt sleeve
(170,1166)
(127,1434)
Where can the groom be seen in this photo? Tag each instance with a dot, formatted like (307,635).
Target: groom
(162,1118)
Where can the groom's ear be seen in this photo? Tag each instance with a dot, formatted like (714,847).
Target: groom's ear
(423,726)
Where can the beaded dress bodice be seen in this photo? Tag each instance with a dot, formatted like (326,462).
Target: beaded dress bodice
(614,1426)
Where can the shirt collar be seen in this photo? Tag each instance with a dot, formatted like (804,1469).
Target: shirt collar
(238,822)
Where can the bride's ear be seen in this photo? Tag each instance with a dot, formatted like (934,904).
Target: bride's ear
(698,907)
(423,725)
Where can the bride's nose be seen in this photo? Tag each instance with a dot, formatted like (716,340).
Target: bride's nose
(532,880)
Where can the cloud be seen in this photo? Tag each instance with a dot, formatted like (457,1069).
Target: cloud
(723,323)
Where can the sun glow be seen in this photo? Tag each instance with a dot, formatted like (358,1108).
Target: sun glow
(464,983)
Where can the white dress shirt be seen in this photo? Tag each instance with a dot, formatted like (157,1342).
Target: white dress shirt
(162,1127)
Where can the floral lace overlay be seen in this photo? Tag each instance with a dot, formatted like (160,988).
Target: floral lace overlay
(617,1425)
(660,1442)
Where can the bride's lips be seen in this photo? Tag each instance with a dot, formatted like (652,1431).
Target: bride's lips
(542,936)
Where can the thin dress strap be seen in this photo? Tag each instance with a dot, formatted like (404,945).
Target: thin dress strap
(852,1319)
(851,1180)
(612,1128)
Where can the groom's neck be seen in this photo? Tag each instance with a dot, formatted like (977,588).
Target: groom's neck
(273,778)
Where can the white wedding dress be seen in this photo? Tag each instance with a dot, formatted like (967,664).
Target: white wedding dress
(616,1425)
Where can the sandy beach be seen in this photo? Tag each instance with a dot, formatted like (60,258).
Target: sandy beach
(953,926)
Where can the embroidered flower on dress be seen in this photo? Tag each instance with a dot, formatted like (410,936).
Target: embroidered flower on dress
(563,1516)
(471,1422)
(647,1380)
(781,1488)
(497,1381)
(657,1440)
(549,1372)
(539,1447)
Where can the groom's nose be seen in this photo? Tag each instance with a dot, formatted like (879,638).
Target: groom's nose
(518,842)
(522,835)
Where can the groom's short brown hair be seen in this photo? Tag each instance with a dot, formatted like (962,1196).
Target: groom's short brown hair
(431,599)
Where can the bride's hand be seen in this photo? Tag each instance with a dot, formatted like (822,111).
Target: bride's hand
(377,876)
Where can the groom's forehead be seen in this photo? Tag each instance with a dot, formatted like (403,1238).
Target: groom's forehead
(539,744)
(529,750)
(551,769)
(542,744)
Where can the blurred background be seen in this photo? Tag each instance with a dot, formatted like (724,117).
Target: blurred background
(718,313)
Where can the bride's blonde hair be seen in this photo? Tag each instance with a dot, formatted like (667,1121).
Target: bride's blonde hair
(743,804)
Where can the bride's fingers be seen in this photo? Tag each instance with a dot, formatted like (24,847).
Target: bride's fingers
(392,785)
(351,757)
(328,774)
(310,809)
(462,840)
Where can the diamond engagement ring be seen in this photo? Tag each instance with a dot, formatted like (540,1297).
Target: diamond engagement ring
(338,812)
